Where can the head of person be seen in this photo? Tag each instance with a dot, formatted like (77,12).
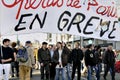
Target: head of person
(28,43)
(44,45)
(95,47)
(69,46)
(50,46)
(54,47)
(63,44)
(90,46)
(6,42)
(110,47)
(59,45)
(98,48)
(77,45)
(13,44)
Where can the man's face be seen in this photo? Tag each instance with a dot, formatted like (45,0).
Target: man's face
(7,43)
(49,47)
(110,47)
(45,46)
(76,45)
(92,47)
(58,45)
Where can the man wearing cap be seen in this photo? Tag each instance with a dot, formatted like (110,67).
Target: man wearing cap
(44,58)
(25,68)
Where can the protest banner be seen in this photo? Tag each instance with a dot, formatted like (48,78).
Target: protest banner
(87,18)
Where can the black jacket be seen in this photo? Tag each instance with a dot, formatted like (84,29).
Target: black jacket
(76,55)
(90,59)
(44,56)
(64,57)
(109,58)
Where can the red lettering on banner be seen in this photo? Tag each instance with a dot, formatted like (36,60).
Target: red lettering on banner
(53,3)
(73,3)
(14,4)
(31,4)
(93,3)
(109,11)
(44,4)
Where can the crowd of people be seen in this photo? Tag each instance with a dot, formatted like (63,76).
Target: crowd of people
(56,60)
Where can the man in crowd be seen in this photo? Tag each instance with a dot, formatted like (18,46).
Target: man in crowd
(15,64)
(44,58)
(25,67)
(109,62)
(76,57)
(98,61)
(6,57)
(60,57)
(90,60)
(69,62)
(52,48)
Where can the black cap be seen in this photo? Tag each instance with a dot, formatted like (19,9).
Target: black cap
(44,43)
(28,42)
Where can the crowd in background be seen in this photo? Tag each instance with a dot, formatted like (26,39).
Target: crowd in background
(57,59)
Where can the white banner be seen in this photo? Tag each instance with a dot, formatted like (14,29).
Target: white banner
(88,18)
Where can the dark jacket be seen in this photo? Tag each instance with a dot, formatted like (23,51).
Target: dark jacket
(90,59)
(97,56)
(68,52)
(76,55)
(64,56)
(15,51)
(44,56)
(109,58)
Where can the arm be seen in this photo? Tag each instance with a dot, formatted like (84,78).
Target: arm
(15,58)
(49,56)
(39,56)
(86,57)
(82,55)
(55,58)
(6,60)
(69,58)
(105,57)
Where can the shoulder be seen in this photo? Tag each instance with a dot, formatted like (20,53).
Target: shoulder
(74,50)
(86,51)
(15,50)
(40,49)
(10,49)
(80,50)
(56,51)
(30,48)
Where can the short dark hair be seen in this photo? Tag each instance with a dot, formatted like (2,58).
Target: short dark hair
(13,44)
(59,43)
(44,43)
(6,40)
(28,42)
(98,47)
(89,46)
(77,43)
(51,45)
